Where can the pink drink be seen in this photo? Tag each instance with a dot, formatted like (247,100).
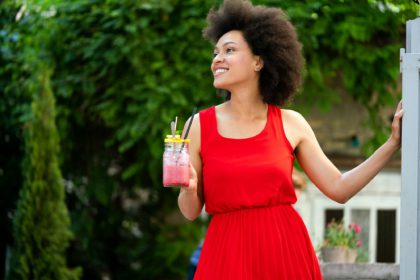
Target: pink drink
(176,163)
(176,175)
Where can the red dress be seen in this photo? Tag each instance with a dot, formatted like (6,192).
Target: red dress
(254,233)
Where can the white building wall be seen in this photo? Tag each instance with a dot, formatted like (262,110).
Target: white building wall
(382,193)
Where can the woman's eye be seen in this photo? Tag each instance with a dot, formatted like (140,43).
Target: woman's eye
(229,50)
(215,54)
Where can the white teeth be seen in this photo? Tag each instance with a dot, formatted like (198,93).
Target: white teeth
(220,70)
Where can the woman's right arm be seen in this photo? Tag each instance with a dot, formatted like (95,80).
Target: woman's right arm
(190,199)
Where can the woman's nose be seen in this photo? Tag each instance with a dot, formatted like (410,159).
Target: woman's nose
(218,57)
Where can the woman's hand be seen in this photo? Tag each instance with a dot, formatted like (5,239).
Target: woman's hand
(192,188)
(189,200)
(395,137)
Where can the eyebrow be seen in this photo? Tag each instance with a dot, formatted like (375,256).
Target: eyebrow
(226,43)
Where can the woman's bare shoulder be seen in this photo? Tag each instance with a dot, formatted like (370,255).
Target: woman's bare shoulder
(296,127)
(293,117)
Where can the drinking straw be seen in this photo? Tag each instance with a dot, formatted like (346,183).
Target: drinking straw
(189,125)
(186,133)
(173,129)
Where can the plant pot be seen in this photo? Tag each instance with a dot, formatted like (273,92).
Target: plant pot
(351,255)
(339,255)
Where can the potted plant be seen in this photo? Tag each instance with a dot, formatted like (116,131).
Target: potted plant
(341,242)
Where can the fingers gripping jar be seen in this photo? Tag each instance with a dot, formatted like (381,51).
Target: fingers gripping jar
(176,162)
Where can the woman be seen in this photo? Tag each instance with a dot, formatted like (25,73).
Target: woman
(242,152)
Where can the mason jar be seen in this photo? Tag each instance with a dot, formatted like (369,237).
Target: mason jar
(176,162)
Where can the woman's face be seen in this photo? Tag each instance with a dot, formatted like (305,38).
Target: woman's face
(234,64)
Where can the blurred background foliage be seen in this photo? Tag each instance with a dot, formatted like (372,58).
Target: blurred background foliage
(121,71)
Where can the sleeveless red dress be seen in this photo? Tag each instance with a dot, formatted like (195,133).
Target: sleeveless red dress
(254,232)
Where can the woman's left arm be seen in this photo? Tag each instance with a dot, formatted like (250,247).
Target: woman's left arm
(323,173)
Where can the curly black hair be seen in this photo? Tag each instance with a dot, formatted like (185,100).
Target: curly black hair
(271,36)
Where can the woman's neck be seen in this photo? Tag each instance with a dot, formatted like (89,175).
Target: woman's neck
(247,106)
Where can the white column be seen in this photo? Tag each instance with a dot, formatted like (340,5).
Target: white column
(410,195)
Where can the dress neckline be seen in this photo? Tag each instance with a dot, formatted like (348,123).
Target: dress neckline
(263,131)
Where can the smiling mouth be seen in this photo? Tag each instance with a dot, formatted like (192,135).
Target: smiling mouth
(220,71)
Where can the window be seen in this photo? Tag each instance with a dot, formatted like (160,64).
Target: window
(378,230)
(362,218)
(333,215)
(385,240)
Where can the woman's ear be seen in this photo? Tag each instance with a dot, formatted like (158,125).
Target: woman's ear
(259,64)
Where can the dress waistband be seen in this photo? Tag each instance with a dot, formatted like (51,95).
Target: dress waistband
(251,208)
